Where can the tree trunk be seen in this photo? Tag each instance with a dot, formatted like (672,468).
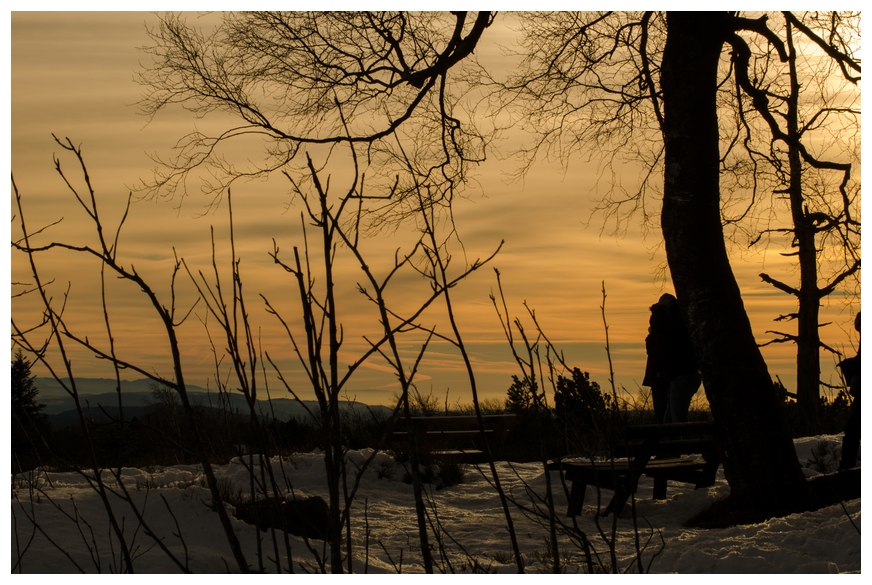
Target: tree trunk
(761,463)
(808,341)
(808,354)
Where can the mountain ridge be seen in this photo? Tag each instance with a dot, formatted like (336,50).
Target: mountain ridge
(100,398)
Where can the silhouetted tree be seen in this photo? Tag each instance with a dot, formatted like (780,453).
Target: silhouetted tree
(824,217)
(579,397)
(377,81)
(583,412)
(23,390)
(761,462)
(787,148)
(613,85)
(519,397)
(30,424)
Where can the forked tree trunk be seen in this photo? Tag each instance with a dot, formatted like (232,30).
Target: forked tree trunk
(761,463)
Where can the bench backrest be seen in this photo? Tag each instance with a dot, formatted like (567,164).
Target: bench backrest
(667,439)
(671,430)
(460,431)
(458,421)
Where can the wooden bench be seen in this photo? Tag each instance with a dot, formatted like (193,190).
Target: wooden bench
(657,451)
(456,437)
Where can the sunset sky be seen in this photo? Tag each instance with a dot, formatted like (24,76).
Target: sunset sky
(73,75)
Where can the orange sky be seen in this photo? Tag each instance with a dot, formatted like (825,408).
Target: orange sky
(72,75)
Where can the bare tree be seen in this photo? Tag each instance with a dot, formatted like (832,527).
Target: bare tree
(301,79)
(600,80)
(590,85)
(54,331)
(337,219)
(317,343)
(812,165)
(761,463)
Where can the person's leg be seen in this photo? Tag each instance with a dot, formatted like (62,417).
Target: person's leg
(681,391)
(660,397)
(851,441)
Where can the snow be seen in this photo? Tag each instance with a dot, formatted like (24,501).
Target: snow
(59,525)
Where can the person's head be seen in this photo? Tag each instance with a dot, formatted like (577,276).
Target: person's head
(667,300)
(661,310)
(857,322)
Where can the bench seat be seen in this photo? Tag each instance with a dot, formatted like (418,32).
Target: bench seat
(656,451)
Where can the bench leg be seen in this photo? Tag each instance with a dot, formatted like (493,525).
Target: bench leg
(623,490)
(617,503)
(709,473)
(576,498)
(659,488)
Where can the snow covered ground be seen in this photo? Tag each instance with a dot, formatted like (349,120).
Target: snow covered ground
(62,527)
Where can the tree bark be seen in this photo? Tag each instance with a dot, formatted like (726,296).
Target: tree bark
(761,463)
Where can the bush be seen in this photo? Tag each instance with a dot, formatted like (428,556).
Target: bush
(583,420)
(519,398)
(832,414)
(439,473)
(587,417)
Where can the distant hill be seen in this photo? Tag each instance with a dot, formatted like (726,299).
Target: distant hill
(99,397)
(56,399)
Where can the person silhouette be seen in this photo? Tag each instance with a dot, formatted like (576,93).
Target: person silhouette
(655,346)
(671,371)
(851,441)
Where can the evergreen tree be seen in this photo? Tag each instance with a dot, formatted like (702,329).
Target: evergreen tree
(578,397)
(24,392)
(29,423)
(584,413)
(520,398)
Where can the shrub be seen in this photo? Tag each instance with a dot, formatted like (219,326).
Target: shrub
(832,414)
(440,474)
(586,416)
(519,398)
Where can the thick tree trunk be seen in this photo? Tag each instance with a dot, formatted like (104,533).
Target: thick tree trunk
(761,463)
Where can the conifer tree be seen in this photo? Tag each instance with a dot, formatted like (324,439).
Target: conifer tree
(29,422)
